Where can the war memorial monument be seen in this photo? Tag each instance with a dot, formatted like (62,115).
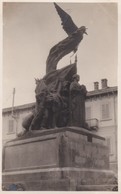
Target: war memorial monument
(57,151)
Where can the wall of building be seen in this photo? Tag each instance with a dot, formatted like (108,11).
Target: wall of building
(12,125)
(107,122)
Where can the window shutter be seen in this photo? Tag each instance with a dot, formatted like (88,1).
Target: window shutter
(109,144)
(105,111)
(11,126)
(88,113)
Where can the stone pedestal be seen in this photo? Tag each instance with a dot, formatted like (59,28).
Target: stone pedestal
(64,159)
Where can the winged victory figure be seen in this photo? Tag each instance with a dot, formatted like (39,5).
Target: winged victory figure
(69,44)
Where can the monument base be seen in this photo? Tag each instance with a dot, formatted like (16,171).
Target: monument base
(63,159)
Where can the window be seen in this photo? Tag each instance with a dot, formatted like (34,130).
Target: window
(88,113)
(105,111)
(109,144)
(11,126)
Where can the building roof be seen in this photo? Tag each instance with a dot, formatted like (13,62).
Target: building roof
(102,91)
(90,94)
(20,107)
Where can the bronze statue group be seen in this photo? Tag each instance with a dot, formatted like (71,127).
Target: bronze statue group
(60,99)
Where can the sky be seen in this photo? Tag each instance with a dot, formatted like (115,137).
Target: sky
(30,30)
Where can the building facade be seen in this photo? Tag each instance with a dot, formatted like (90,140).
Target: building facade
(101,117)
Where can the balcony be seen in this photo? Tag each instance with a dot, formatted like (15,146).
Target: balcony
(92,124)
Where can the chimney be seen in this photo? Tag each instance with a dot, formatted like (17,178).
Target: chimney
(104,83)
(96,85)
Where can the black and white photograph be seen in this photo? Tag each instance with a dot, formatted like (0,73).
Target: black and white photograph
(60,96)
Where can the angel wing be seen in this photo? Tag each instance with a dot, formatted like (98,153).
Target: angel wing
(67,22)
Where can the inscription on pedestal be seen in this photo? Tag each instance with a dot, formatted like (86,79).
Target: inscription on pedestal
(36,154)
(87,155)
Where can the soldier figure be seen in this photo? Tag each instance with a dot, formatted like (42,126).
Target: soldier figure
(77,102)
